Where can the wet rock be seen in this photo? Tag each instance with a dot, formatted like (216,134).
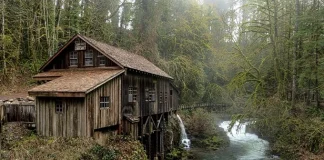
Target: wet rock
(20,99)
(30,98)
(7,102)
(15,102)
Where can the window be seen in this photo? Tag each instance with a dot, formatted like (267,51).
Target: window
(165,97)
(73,58)
(102,60)
(132,94)
(160,97)
(150,95)
(88,58)
(79,45)
(104,102)
(58,106)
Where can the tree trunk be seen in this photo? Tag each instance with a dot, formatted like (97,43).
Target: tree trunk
(294,66)
(2,36)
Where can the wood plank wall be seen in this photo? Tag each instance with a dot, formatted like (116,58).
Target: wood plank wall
(164,101)
(130,128)
(62,61)
(18,112)
(105,117)
(72,122)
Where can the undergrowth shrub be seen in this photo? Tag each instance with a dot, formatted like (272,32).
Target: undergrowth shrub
(21,143)
(199,123)
(202,129)
(292,131)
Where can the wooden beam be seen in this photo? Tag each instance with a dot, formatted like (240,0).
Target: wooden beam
(57,94)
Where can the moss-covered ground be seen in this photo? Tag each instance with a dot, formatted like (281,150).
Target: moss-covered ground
(17,142)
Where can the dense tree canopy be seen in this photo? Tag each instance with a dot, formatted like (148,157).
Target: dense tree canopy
(180,36)
(265,54)
(265,47)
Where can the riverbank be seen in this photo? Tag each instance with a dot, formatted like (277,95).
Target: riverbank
(294,132)
(242,145)
(203,132)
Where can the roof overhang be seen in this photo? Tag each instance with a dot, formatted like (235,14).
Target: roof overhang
(73,84)
(56,94)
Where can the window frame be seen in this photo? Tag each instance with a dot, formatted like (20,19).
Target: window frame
(150,95)
(101,58)
(59,109)
(87,57)
(104,102)
(79,45)
(73,55)
(132,91)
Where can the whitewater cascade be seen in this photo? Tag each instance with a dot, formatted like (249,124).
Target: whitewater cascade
(184,137)
(251,146)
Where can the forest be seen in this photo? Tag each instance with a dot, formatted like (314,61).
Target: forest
(263,56)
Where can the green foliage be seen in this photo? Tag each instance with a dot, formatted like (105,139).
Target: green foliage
(177,154)
(201,127)
(293,132)
(212,142)
(99,152)
(182,40)
(200,123)
(280,59)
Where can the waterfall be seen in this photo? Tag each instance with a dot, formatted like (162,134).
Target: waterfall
(184,138)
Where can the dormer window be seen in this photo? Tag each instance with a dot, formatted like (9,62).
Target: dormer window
(74,59)
(102,60)
(88,58)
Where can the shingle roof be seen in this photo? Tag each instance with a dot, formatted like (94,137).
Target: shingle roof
(75,80)
(127,59)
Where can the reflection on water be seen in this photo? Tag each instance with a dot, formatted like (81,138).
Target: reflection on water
(243,146)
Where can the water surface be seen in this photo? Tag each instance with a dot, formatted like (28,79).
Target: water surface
(243,146)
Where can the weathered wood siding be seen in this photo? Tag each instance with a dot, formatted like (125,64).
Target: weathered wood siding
(18,112)
(174,101)
(72,122)
(130,128)
(165,99)
(105,117)
(62,61)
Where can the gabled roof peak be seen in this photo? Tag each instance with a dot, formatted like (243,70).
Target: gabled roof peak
(121,57)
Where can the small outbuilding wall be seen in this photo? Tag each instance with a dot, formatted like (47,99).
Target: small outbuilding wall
(71,121)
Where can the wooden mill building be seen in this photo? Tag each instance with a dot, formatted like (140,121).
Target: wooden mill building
(92,89)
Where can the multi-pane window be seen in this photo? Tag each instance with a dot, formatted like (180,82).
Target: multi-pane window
(132,94)
(102,60)
(88,58)
(150,94)
(104,102)
(58,106)
(79,45)
(73,58)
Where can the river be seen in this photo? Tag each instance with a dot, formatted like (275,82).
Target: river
(243,146)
